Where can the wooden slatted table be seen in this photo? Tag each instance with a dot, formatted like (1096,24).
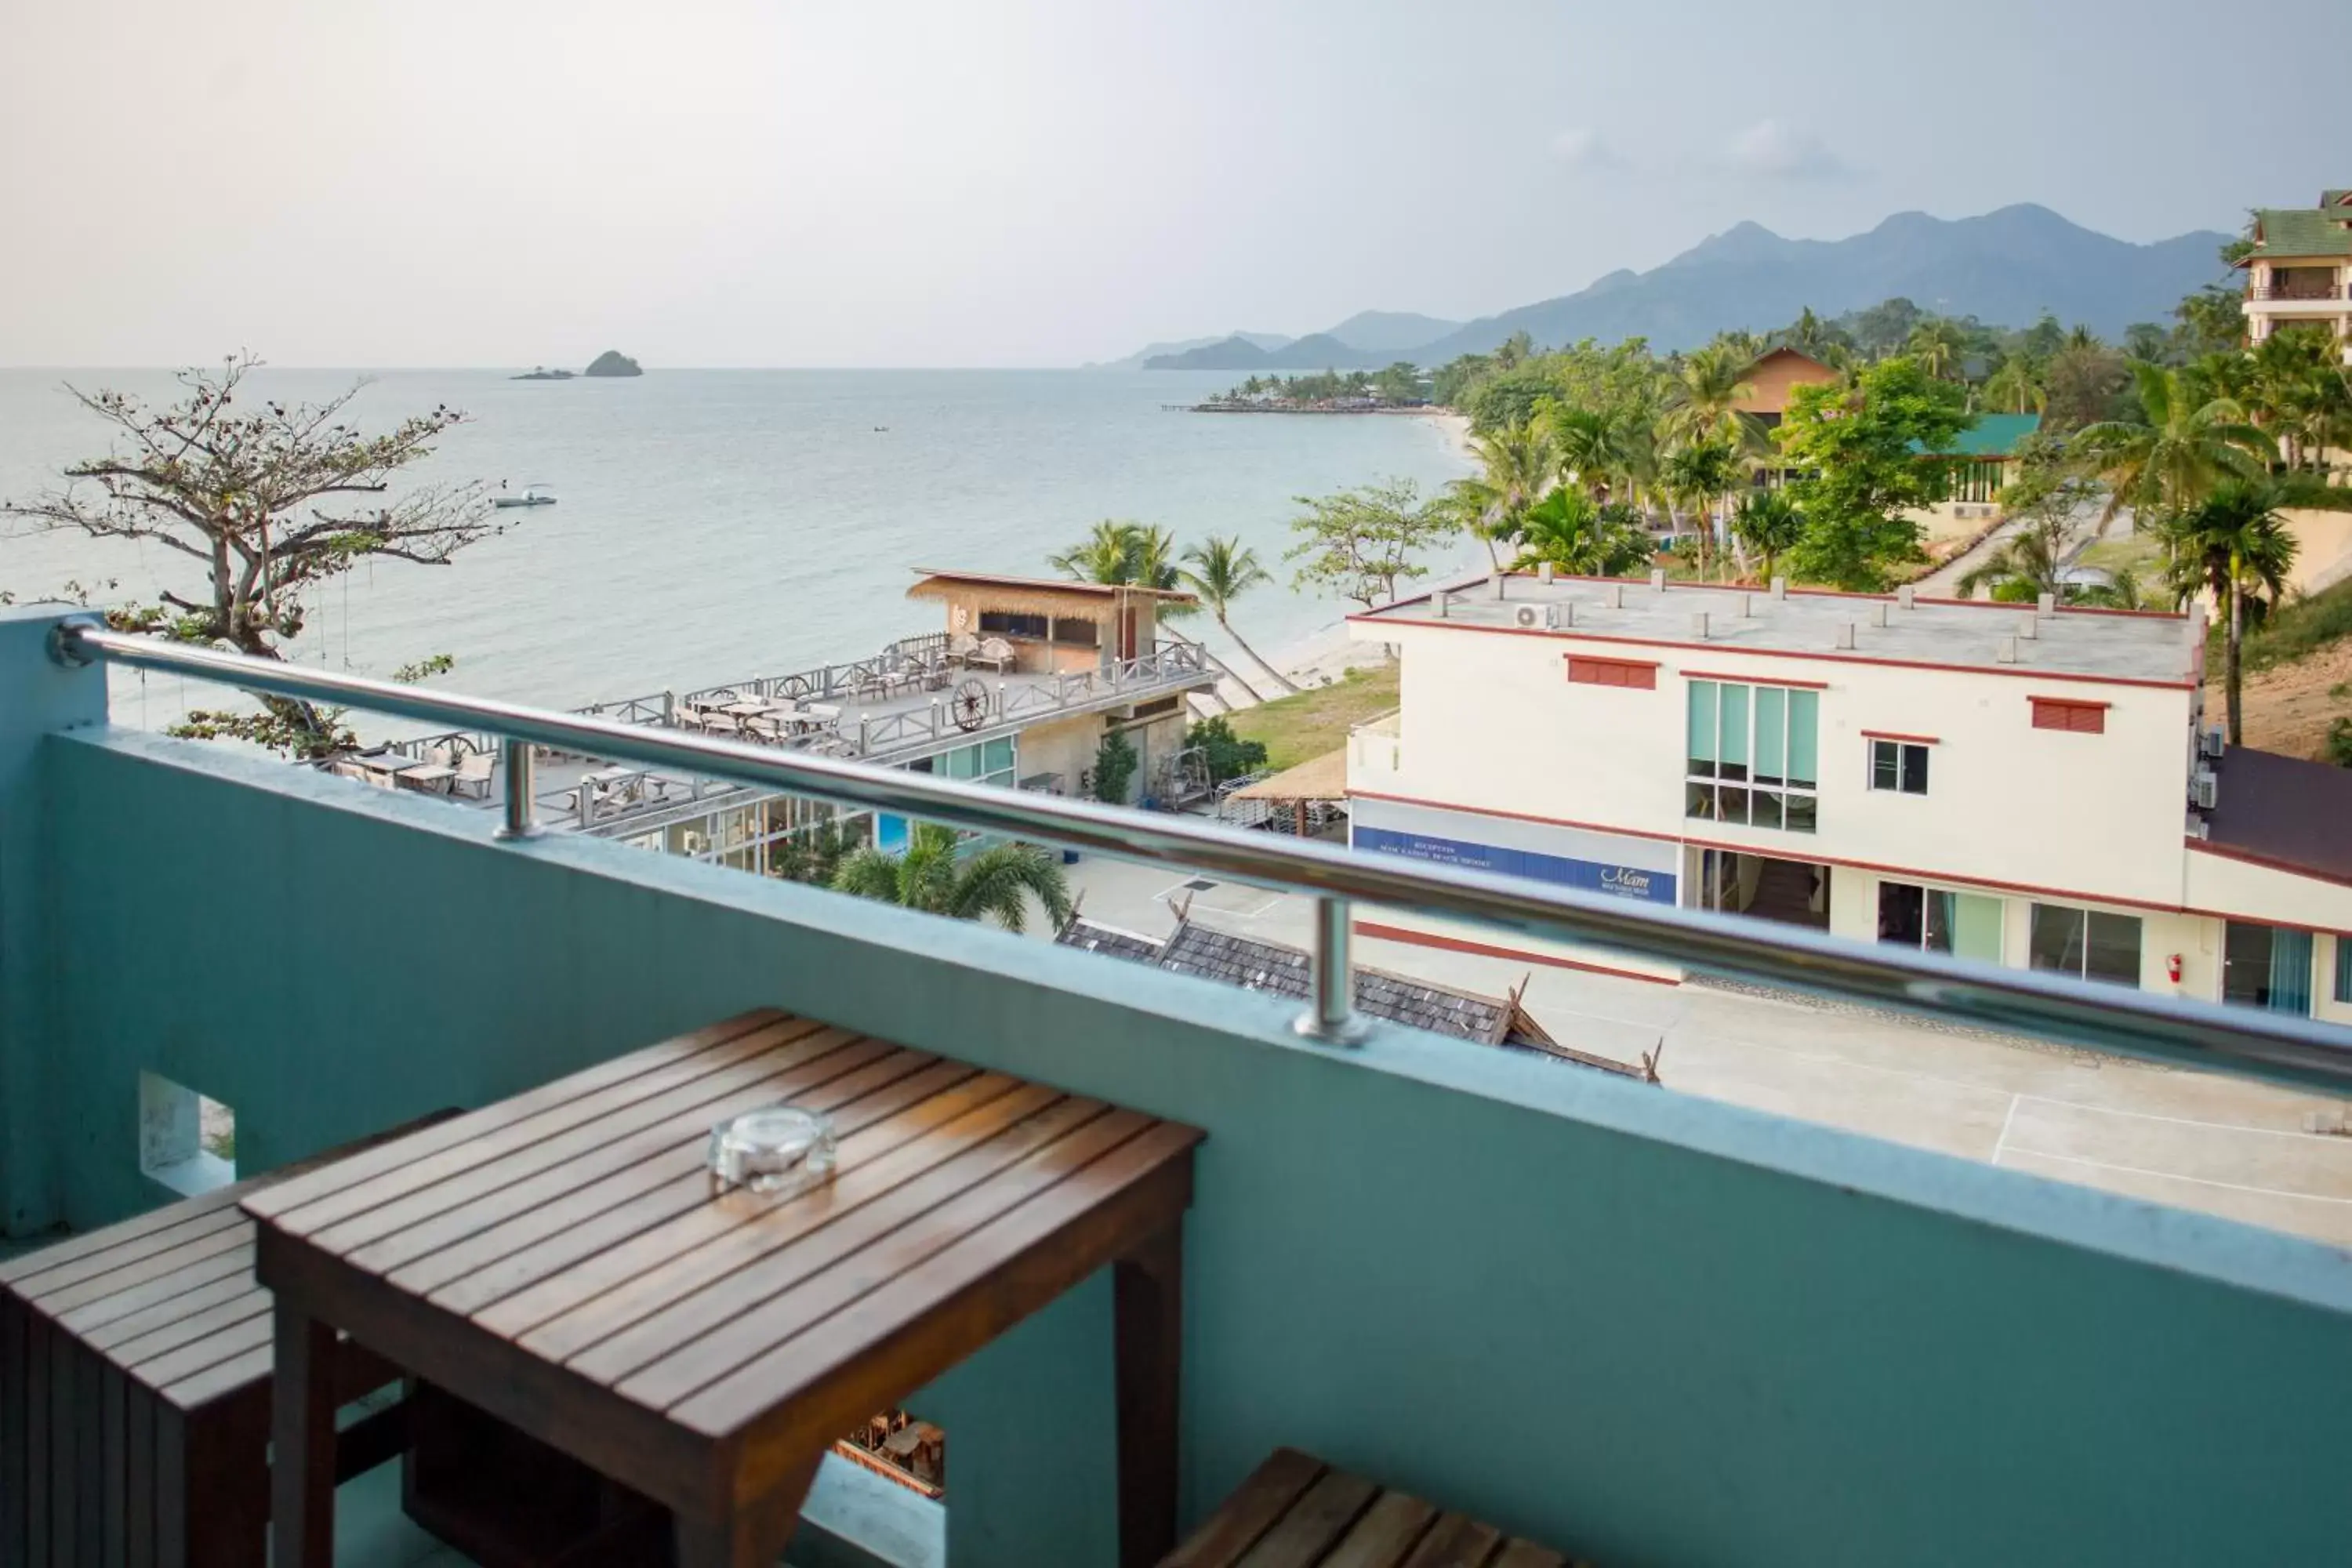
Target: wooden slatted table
(1296,1511)
(561,1260)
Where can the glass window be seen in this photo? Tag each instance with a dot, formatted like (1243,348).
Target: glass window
(1731,755)
(1736,733)
(2111,949)
(1898,766)
(1771,734)
(1966,925)
(2087,942)
(1804,725)
(2343,968)
(1902,913)
(2268,966)
(1702,729)
(1976,924)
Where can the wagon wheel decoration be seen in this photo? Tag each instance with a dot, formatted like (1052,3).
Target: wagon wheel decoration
(969,704)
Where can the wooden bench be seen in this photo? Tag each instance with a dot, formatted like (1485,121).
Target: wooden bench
(134,1392)
(1296,1511)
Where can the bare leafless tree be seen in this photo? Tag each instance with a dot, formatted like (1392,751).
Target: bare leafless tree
(268,497)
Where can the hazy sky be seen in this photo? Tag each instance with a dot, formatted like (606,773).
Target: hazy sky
(1027,181)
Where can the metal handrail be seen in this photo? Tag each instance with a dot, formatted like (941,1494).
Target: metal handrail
(2115,1018)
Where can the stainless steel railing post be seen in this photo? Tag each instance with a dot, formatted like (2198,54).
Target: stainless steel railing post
(515,757)
(1331,982)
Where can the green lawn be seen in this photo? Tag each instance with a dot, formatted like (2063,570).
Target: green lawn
(2138,553)
(1296,729)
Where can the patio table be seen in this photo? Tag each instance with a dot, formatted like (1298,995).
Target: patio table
(563,1261)
(424,776)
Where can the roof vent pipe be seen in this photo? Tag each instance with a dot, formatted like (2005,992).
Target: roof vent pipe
(1845,634)
(2047,605)
(1878,613)
(1441,599)
(1616,595)
(1746,606)
(2028,626)
(1544,572)
(1779,587)
(1658,578)
(1904,596)
(1698,626)
(1495,582)
(1563,614)
(2005,651)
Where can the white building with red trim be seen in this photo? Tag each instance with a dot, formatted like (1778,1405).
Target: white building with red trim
(2032,786)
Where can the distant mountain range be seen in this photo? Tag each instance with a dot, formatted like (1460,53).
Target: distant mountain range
(2006,267)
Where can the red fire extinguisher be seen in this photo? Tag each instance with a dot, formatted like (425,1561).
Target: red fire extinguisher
(2172,968)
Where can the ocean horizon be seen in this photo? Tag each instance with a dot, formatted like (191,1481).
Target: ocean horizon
(722,523)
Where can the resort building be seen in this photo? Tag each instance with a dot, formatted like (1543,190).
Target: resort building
(2030,786)
(1019,688)
(1769,380)
(2299,272)
(1977,461)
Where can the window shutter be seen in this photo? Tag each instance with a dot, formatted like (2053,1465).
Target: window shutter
(2080,718)
(1632,674)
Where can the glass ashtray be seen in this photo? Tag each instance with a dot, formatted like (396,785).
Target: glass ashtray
(776,1150)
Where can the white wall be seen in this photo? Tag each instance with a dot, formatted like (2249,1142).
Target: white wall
(1491,722)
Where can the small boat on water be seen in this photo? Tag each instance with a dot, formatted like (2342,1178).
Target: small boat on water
(532,495)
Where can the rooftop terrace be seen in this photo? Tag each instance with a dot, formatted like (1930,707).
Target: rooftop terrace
(1946,634)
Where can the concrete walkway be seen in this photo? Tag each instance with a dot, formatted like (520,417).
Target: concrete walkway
(2222,1146)
(2082,529)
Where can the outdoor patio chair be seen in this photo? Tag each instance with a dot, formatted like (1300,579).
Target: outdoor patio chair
(473,775)
(1296,1511)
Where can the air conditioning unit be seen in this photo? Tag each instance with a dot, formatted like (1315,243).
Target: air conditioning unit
(1527,617)
(2205,789)
(2215,739)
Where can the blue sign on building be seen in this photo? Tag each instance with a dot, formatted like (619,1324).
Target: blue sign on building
(1592,876)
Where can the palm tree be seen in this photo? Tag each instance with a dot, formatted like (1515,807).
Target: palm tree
(1221,571)
(1127,554)
(1515,463)
(1107,554)
(2184,445)
(1573,533)
(2016,387)
(932,876)
(2235,545)
(1704,401)
(2024,568)
(1696,472)
(2294,386)
(1589,445)
(1769,523)
(1939,346)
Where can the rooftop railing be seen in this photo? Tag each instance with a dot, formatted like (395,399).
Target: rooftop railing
(2297,291)
(2170,1029)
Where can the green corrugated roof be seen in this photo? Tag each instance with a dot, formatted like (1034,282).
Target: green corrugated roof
(2305,231)
(2333,198)
(1992,435)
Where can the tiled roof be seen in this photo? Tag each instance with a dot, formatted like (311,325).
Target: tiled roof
(1110,940)
(1992,435)
(1268,966)
(2302,231)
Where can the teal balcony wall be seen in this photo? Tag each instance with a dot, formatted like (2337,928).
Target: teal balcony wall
(1642,1326)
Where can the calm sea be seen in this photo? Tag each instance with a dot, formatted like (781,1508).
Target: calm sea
(717,524)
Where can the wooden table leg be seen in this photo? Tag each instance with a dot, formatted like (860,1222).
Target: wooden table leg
(302,1440)
(755,1535)
(1148,1311)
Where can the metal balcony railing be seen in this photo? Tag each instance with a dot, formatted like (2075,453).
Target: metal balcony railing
(2291,291)
(2200,1033)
